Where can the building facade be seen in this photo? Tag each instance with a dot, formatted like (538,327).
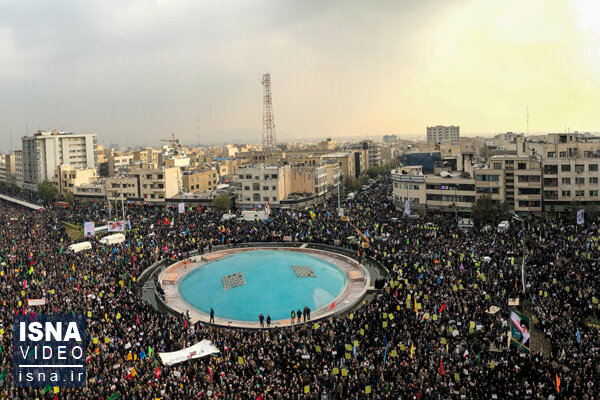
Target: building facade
(44,151)
(66,178)
(439,134)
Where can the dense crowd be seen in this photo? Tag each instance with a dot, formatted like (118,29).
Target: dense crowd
(431,333)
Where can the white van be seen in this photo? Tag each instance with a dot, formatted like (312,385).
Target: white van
(503,226)
(113,239)
(77,247)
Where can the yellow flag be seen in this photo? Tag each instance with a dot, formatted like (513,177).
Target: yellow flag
(412,349)
(415,298)
(73,266)
(129,357)
(133,373)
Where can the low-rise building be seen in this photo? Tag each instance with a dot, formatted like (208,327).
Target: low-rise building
(146,183)
(200,181)
(66,177)
(408,183)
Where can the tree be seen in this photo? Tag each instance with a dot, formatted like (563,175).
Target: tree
(487,210)
(353,184)
(222,202)
(69,196)
(47,191)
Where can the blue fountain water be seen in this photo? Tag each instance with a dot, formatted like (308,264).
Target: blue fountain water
(271,288)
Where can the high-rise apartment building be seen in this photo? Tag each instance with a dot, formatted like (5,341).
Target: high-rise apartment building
(439,134)
(45,150)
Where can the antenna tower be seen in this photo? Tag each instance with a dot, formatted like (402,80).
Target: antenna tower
(527,120)
(269,142)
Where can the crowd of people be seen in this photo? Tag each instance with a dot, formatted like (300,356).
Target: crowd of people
(437,330)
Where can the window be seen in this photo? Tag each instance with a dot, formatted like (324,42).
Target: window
(484,189)
(593,167)
(487,178)
(565,193)
(256,186)
(551,154)
(580,181)
(273,198)
(248,176)
(274,187)
(550,169)
(522,165)
(159,176)
(525,203)
(266,198)
(256,197)
(593,193)
(565,168)
(579,193)
(497,165)
(566,181)
(246,187)
(529,190)
(594,180)
(149,176)
(563,154)
(265,188)
(579,168)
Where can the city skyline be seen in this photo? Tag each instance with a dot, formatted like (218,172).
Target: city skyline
(143,70)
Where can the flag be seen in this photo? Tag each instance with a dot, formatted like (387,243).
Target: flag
(406,207)
(259,397)
(441,367)
(114,396)
(578,336)
(332,305)
(415,304)
(46,389)
(157,370)
(442,308)
(210,370)
(557,384)
(412,349)
(580,217)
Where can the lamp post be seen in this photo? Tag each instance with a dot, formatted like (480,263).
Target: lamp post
(515,217)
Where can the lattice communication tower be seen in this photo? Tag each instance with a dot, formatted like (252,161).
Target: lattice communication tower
(269,142)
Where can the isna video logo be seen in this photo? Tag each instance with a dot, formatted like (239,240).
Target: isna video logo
(49,350)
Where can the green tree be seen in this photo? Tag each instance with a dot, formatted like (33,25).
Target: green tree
(222,202)
(69,196)
(47,191)
(487,210)
(353,184)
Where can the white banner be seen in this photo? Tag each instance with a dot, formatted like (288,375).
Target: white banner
(407,207)
(201,349)
(181,208)
(116,226)
(580,217)
(89,229)
(36,302)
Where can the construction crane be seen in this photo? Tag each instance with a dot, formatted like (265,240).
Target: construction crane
(174,142)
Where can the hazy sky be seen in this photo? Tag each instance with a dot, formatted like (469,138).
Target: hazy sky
(139,70)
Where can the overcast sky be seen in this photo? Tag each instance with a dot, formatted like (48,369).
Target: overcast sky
(137,71)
